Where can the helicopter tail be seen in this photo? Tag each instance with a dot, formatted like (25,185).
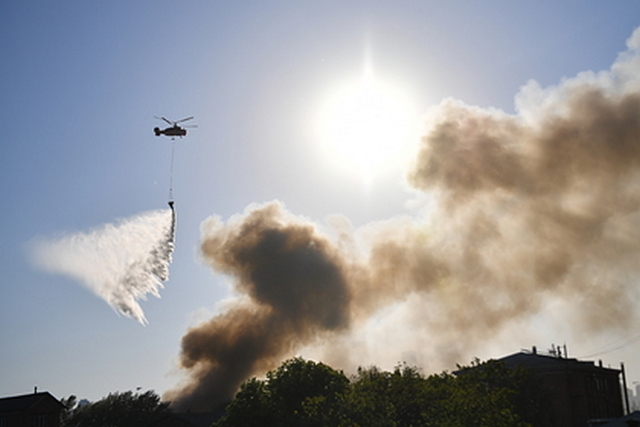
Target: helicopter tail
(157,131)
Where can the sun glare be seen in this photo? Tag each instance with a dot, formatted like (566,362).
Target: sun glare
(366,127)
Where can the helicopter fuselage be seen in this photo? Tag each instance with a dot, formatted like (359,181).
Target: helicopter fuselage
(174,130)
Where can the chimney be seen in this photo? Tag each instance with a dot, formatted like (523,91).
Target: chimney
(534,350)
(35,390)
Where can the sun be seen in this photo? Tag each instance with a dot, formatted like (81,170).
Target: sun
(366,126)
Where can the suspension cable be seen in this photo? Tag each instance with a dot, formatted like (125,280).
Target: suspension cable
(173,149)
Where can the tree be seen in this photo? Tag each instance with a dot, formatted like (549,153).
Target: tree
(305,393)
(480,395)
(367,402)
(408,395)
(490,394)
(69,405)
(119,409)
(297,393)
(252,407)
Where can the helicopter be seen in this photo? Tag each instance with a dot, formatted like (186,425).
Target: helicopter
(174,130)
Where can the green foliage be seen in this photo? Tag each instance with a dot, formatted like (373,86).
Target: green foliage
(116,410)
(510,397)
(298,393)
(304,393)
(252,407)
(367,402)
(69,405)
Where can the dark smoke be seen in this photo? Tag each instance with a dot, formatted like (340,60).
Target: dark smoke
(296,290)
(525,211)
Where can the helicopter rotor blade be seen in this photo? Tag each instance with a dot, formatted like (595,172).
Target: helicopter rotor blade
(165,119)
(190,126)
(184,120)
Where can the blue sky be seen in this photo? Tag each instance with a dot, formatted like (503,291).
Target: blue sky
(81,83)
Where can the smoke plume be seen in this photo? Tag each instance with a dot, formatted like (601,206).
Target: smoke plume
(295,290)
(121,262)
(525,211)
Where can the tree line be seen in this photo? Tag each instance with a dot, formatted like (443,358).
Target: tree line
(126,409)
(304,393)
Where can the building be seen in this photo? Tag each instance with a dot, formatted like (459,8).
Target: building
(579,390)
(30,410)
(635,399)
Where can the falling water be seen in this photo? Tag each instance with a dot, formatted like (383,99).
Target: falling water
(120,262)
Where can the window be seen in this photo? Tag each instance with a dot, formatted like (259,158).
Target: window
(39,421)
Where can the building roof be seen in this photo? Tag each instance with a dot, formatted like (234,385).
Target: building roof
(25,401)
(554,363)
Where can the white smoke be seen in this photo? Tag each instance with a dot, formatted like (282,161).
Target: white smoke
(120,262)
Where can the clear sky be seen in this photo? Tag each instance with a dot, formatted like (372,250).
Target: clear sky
(81,83)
